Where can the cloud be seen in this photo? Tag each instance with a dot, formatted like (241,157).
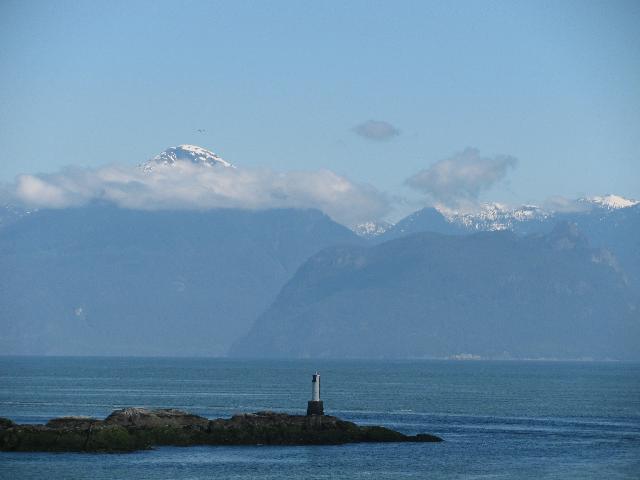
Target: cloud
(460,179)
(376,130)
(187,186)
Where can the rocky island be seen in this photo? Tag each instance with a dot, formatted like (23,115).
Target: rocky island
(133,429)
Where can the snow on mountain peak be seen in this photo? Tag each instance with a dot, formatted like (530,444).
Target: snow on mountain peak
(186,153)
(493,216)
(371,229)
(612,202)
(499,216)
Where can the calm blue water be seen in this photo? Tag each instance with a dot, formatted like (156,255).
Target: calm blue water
(499,419)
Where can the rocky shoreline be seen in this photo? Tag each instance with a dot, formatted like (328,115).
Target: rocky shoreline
(132,429)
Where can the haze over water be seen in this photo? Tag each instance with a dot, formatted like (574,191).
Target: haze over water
(498,419)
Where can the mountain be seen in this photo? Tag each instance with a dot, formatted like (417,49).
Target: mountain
(102,280)
(490,294)
(488,217)
(531,218)
(616,230)
(611,202)
(496,216)
(610,222)
(190,154)
(426,220)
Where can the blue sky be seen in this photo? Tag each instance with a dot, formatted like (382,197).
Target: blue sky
(282,85)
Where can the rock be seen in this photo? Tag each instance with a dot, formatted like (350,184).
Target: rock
(5,423)
(143,418)
(425,437)
(40,438)
(137,429)
(83,423)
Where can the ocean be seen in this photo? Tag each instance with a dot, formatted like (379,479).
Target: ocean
(499,420)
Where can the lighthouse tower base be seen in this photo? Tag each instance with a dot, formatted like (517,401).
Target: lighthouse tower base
(315,408)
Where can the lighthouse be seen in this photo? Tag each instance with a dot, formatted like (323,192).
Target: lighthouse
(314,406)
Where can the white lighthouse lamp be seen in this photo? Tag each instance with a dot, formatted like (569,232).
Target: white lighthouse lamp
(314,406)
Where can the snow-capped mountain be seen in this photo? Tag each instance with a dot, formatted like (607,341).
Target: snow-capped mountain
(495,216)
(185,153)
(610,202)
(524,219)
(498,216)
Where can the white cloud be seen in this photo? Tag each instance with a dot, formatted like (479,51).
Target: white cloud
(461,178)
(187,186)
(376,130)
(30,188)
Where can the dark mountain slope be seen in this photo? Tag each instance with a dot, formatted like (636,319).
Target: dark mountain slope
(489,294)
(103,280)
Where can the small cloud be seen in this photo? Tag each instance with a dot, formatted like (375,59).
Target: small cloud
(377,130)
(460,179)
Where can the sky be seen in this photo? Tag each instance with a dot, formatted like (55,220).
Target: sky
(520,100)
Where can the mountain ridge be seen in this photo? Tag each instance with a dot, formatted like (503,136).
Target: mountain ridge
(490,295)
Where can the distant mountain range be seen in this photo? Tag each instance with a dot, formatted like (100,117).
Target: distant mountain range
(498,283)
(491,217)
(609,222)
